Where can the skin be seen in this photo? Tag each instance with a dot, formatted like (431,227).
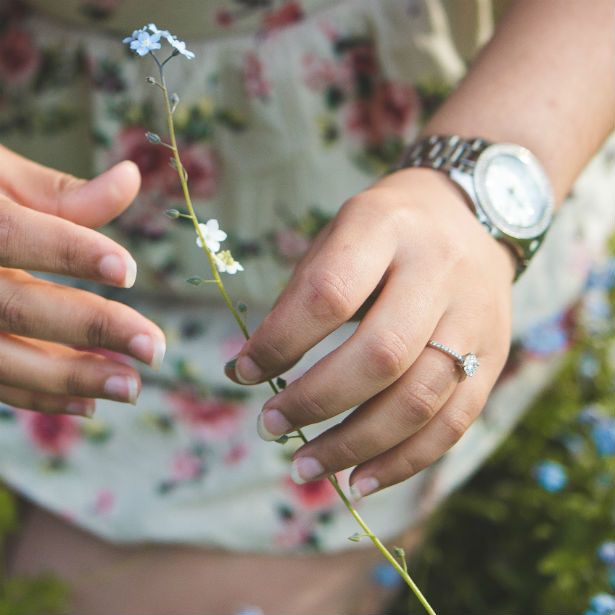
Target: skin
(46,222)
(413,241)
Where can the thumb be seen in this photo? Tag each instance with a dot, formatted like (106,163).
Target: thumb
(88,203)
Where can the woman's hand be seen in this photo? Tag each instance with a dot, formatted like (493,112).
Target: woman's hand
(413,245)
(44,220)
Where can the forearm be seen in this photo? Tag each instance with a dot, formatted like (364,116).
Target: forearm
(544,81)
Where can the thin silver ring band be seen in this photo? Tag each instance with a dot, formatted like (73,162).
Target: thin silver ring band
(468,363)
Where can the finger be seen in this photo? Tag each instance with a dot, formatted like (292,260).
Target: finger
(49,404)
(42,310)
(382,422)
(424,447)
(42,242)
(50,368)
(324,292)
(88,203)
(386,343)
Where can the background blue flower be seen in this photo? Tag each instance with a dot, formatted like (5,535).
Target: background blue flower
(550,476)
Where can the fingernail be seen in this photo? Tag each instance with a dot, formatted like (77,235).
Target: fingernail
(122,388)
(363,487)
(246,371)
(304,469)
(80,408)
(122,271)
(148,350)
(271,424)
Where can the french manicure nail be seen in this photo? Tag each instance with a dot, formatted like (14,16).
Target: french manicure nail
(363,487)
(80,408)
(122,388)
(271,424)
(246,371)
(148,350)
(304,469)
(119,270)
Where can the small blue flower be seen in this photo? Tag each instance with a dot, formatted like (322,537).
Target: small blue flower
(606,552)
(178,46)
(591,414)
(385,575)
(547,337)
(142,41)
(550,476)
(603,435)
(588,366)
(602,604)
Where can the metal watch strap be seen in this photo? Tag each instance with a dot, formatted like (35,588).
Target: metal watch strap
(444,153)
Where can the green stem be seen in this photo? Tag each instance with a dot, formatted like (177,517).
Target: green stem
(332,478)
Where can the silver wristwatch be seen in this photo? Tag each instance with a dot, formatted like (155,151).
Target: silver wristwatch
(507,187)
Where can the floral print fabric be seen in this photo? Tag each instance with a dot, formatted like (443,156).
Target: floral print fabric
(288,109)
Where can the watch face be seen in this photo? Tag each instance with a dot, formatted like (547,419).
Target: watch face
(513,190)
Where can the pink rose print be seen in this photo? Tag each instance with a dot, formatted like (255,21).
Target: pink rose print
(19,58)
(295,532)
(186,466)
(104,502)
(235,454)
(231,346)
(389,113)
(288,13)
(255,83)
(208,418)
(315,495)
(291,245)
(152,159)
(203,171)
(55,434)
(319,73)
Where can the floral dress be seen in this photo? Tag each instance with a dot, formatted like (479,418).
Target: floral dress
(289,108)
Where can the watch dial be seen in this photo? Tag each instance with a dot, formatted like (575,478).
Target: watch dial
(517,198)
(514,190)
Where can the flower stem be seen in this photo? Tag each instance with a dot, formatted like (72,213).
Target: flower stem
(332,478)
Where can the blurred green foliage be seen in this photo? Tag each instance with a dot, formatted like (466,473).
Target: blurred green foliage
(505,544)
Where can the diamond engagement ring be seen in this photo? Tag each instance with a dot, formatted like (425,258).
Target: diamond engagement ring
(468,363)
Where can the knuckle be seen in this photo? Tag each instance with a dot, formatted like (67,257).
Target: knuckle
(272,349)
(9,233)
(386,354)
(74,383)
(63,184)
(329,296)
(346,454)
(408,465)
(455,425)
(97,329)
(67,255)
(12,315)
(422,402)
(309,407)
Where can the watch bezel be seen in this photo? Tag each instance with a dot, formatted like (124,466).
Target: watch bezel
(536,172)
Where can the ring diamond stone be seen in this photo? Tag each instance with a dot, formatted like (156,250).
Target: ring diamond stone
(468,363)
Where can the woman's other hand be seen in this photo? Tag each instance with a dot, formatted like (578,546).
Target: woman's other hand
(46,222)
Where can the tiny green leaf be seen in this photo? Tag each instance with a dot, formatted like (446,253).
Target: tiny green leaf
(281,383)
(282,439)
(356,537)
(172,213)
(152,137)
(195,280)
